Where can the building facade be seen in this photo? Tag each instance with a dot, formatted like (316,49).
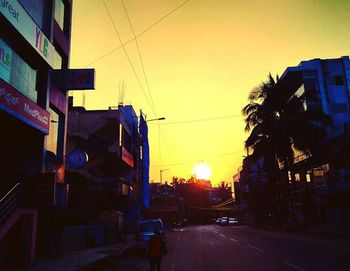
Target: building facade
(320,182)
(34,46)
(114,170)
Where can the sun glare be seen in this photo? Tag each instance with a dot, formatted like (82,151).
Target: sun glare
(202,171)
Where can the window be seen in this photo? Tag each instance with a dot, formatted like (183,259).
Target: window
(300,92)
(15,71)
(339,108)
(57,61)
(59,13)
(308,177)
(38,10)
(338,80)
(52,137)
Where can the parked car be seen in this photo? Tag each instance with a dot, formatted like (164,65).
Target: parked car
(232,221)
(223,221)
(145,231)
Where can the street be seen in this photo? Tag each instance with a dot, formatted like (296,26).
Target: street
(213,247)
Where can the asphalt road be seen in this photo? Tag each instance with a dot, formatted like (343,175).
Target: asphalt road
(217,248)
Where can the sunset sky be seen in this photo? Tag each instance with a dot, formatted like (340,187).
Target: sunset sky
(200,63)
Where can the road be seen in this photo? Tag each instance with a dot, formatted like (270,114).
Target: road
(217,248)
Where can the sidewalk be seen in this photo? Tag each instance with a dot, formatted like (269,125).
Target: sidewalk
(74,260)
(339,231)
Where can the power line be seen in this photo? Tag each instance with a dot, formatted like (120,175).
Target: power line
(200,120)
(137,36)
(139,53)
(132,66)
(191,162)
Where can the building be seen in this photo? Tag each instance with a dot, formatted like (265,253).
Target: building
(250,189)
(116,162)
(34,79)
(320,182)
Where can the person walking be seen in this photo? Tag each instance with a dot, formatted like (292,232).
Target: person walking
(156,249)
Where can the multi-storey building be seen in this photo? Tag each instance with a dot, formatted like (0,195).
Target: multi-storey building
(34,59)
(250,192)
(321,181)
(116,170)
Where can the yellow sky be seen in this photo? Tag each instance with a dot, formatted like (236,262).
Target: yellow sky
(200,63)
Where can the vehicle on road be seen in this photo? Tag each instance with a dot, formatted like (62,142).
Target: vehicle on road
(232,221)
(145,231)
(227,221)
(223,221)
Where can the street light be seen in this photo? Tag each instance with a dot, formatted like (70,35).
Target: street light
(161,174)
(161,118)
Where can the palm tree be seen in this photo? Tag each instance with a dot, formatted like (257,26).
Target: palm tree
(279,125)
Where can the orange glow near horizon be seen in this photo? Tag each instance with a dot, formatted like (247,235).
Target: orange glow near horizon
(200,62)
(202,171)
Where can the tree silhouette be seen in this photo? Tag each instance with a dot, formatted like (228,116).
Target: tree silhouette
(280,123)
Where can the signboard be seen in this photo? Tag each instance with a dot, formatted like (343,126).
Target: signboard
(20,19)
(127,157)
(21,107)
(80,79)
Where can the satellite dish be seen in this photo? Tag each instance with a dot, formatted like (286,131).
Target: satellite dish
(77,159)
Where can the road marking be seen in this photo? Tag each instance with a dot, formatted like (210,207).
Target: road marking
(232,239)
(215,231)
(293,265)
(254,247)
(223,236)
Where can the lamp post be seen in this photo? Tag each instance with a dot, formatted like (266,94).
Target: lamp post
(161,174)
(160,118)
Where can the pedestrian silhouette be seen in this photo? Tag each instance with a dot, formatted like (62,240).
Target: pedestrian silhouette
(156,249)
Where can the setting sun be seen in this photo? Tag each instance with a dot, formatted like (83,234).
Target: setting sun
(202,171)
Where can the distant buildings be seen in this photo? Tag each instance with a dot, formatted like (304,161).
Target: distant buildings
(319,184)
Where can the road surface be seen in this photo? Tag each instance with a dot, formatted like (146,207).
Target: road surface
(220,248)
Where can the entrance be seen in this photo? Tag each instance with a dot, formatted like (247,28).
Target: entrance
(20,151)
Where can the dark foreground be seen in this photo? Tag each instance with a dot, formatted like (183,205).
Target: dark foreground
(212,247)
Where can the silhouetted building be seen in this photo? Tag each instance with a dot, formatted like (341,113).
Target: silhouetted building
(250,188)
(114,171)
(320,182)
(34,41)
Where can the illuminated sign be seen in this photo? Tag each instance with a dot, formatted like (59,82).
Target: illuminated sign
(19,18)
(80,79)
(127,157)
(21,107)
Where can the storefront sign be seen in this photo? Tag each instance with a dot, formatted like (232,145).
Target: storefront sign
(21,107)
(127,157)
(80,79)
(19,18)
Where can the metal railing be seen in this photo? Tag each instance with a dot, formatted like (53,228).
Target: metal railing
(8,203)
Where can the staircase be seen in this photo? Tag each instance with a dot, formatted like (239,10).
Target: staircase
(10,215)
(8,204)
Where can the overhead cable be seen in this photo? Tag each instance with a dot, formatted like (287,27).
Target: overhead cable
(127,56)
(137,36)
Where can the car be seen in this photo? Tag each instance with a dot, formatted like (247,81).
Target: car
(144,231)
(232,221)
(223,221)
